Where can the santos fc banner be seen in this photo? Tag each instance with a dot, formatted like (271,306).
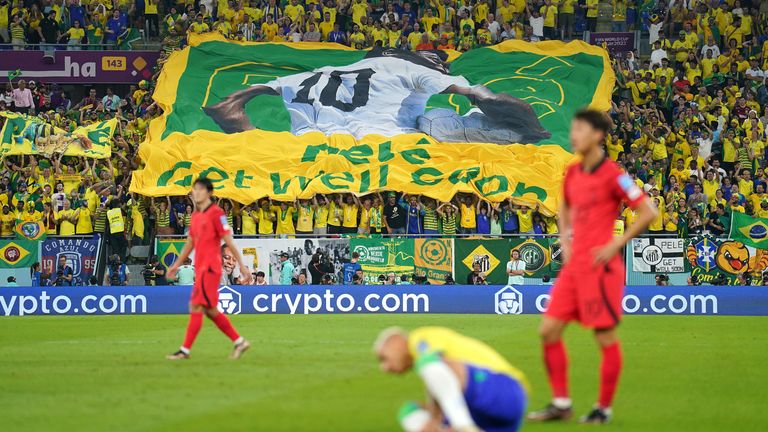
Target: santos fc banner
(291,120)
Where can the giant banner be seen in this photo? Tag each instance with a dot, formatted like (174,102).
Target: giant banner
(658,255)
(291,120)
(80,253)
(422,299)
(86,67)
(33,135)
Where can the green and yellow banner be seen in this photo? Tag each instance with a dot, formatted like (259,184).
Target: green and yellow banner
(383,256)
(433,258)
(18,253)
(169,249)
(709,259)
(30,135)
(290,120)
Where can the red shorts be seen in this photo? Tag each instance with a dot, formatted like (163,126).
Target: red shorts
(591,296)
(206,289)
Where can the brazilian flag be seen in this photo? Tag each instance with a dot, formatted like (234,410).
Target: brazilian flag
(749,230)
(169,249)
(18,253)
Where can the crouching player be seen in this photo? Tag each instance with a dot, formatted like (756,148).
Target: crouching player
(471,387)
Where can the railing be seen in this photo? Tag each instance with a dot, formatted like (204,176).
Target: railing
(135,46)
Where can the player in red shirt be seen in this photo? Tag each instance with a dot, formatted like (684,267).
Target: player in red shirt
(209,227)
(590,286)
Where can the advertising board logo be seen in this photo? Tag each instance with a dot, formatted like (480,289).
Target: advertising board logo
(509,301)
(229,301)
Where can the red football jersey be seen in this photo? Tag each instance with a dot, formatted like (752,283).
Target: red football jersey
(207,229)
(594,200)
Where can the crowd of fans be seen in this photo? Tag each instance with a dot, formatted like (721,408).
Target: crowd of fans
(690,120)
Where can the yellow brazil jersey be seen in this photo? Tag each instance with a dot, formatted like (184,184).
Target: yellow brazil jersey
(709,187)
(334,214)
(265,221)
(746,187)
(304,220)
(356,38)
(65,226)
(426,342)
(549,13)
(248,223)
(629,216)
(197,27)
(365,217)
(359,10)
(427,22)
(414,39)
(284,220)
(321,216)
(480,12)
(293,12)
(268,31)
(350,215)
(7,224)
(592,12)
(657,224)
(507,12)
(325,28)
(380,35)
(84,221)
(566,6)
(468,219)
(525,219)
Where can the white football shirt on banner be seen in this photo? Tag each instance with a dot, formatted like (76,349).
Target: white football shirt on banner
(382,95)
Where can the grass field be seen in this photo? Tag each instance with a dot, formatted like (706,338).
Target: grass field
(317,373)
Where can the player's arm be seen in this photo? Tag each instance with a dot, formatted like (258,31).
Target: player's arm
(245,272)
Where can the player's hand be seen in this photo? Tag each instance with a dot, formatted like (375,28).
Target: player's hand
(245,275)
(171,274)
(605,253)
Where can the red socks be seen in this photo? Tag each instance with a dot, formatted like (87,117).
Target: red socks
(556,360)
(223,323)
(610,369)
(193,328)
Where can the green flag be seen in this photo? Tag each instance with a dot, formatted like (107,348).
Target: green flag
(491,255)
(12,75)
(749,230)
(536,254)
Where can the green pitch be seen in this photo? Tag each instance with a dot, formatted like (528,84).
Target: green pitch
(317,373)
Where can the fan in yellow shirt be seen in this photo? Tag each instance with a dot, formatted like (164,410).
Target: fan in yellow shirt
(284,214)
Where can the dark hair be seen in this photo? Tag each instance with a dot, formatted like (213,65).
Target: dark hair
(205,182)
(597,119)
(260,273)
